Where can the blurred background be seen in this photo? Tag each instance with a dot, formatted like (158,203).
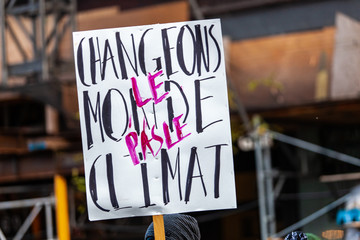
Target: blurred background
(293,71)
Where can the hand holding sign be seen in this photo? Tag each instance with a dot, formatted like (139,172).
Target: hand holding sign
(154,119)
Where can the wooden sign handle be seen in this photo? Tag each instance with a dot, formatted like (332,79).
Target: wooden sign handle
(159,228)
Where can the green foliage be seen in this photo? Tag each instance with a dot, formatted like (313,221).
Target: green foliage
(79,183)
(268,82)
(311,236)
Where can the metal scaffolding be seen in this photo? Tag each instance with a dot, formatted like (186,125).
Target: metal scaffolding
(27,23)
(33,30)
(37,204)
(267,192)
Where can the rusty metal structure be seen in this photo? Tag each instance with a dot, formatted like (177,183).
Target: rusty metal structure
(35,28)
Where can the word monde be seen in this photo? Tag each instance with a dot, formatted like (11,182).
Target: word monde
(124,55)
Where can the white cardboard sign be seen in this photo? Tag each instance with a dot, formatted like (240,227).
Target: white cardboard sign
(154,119)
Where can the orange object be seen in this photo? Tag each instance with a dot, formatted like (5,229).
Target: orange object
(159,228)
(62,209)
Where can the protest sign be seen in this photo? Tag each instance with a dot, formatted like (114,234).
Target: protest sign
(154,119)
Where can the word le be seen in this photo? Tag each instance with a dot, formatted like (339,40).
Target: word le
(132,138)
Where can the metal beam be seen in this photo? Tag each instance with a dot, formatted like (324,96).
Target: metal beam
(3,43)
(49,221)
(25,68)
(2,236)
(260,174)
(17,43)
(11,4)
(30,9)
(25,226)
(313,216)
(44,62)
(23,28)
(269,191)
(316,148)
(26,203)
(196,9)
(73,11)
